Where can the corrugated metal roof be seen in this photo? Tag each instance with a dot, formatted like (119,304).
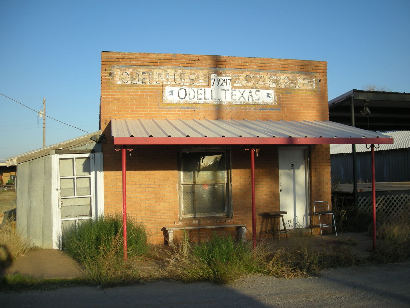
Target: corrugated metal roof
(145,131)
(401,141)
(68,144)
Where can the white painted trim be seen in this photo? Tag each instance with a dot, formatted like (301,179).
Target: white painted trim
(93,198)
(74,155)
(77,218)
(97,191)
(99,184)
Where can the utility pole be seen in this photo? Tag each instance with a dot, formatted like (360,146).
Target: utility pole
(44,122)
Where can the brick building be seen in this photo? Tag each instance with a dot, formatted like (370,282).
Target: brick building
(188,124)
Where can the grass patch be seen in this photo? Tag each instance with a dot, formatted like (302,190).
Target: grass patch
(219,260)
(98,247)
(222,259)
(11,244)
(305,261)
(7,201)
(393,243)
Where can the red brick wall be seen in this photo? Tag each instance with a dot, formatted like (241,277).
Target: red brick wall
(152,177)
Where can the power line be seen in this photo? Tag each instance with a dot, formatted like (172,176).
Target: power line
(40,112)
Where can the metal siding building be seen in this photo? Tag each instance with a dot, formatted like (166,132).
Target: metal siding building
(392,161)
(42,210)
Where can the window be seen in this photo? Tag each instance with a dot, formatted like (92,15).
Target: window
(204,184)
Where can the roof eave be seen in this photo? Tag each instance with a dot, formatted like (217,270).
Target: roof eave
(245,140)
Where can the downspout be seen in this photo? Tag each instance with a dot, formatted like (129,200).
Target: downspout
(124,200)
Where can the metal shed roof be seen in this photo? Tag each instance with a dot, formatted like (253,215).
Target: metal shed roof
(375,110)
(401,141)
(164,131)
(91,138)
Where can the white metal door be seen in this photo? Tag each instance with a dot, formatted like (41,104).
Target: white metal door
(76,187)
(293,186)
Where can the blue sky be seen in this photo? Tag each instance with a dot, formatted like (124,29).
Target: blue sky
(52,49)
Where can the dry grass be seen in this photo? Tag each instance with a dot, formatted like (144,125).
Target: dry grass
(219,260)
(7,202)
(304,256)
(11,246)
(393,243)
(10,242)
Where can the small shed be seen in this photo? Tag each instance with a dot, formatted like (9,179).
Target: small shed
(58,187)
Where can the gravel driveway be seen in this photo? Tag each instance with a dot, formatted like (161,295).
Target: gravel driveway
(365,286)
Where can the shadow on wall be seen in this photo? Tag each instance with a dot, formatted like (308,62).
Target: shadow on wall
(218,107)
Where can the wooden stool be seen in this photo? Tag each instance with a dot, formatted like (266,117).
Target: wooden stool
(270,225)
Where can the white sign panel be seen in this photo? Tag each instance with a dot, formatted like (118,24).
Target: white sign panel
(220,92)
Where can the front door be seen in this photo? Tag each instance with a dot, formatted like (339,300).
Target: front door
(76,189)
(293,186)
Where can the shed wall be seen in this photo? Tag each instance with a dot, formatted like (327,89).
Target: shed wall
(34,206)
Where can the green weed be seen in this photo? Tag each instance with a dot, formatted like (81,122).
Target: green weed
(98,247)
(88,240)
(220,260)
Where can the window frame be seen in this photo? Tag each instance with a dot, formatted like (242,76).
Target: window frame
(228,183)
(91,178)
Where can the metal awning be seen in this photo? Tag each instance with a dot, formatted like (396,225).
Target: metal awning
(239,132)
(375,110)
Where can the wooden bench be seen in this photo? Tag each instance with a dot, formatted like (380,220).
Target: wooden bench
(168,232)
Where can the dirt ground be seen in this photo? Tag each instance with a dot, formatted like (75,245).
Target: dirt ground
(364,286)
(47,264)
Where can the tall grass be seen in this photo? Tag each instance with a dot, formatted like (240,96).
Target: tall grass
(88,239)
(11,246)
(98,247)
(11,243)
(394,242)
(304,261)
(220,260)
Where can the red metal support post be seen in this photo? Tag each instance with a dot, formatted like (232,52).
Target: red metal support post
(253,197)
(124,199)
(374,197)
